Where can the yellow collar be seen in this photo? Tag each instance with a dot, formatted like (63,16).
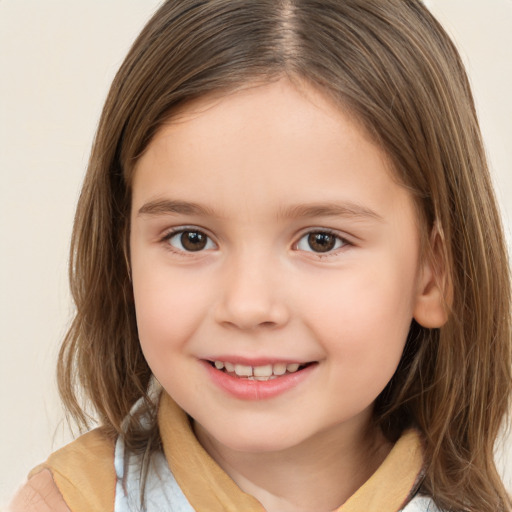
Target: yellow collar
(209,489)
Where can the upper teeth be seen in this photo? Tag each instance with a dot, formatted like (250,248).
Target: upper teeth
(265,371)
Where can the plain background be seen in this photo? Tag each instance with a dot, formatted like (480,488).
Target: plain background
(57,59)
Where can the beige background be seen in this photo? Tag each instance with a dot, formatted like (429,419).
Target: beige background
(57,58)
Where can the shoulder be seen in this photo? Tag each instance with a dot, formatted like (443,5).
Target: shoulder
(94,449)
(39,494)
(81,475)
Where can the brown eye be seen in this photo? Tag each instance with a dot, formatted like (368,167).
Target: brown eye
(193,240)
(190,241)
(320,242)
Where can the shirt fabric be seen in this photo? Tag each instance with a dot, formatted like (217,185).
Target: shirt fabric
(98,474)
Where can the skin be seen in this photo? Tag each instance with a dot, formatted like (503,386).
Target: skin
(39,494)
(258,289)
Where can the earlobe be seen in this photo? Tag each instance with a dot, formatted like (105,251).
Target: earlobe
(430,310)
(434,297)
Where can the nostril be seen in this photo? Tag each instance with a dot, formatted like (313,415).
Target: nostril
(251,310)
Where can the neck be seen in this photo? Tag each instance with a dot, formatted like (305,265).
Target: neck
(319,474)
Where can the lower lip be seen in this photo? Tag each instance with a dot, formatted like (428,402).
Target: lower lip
(246,389)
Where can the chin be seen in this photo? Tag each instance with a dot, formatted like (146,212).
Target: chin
(256,445)
(252,440)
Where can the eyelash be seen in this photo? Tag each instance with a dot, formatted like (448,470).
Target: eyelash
(339,241)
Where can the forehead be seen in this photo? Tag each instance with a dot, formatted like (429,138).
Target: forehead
(269,142)
(266,101)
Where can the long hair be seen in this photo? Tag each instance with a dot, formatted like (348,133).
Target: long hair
(395,69)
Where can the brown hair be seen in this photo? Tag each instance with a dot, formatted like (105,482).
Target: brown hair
(393,66)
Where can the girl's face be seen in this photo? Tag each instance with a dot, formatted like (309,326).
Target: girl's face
(269,238)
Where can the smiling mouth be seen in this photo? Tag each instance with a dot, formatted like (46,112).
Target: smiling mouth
(260,373)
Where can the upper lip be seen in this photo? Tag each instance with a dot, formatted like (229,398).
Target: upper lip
(259,361)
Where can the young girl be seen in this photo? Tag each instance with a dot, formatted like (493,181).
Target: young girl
(289,270)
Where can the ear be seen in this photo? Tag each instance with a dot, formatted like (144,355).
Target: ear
(434,295)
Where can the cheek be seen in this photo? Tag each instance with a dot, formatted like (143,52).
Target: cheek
(363,320)
(168,310)
(362,301)
(167,318)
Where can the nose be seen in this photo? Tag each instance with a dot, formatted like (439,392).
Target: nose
(252,295)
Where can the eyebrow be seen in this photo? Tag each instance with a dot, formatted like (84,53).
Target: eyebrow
(345,209)
(330,209)
(168,206)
